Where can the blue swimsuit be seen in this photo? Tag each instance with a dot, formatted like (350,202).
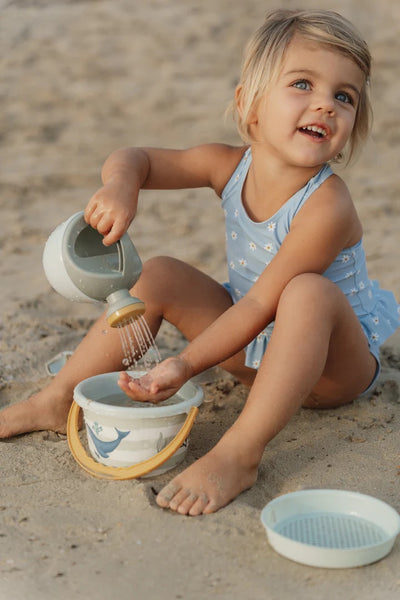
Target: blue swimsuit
(251,246)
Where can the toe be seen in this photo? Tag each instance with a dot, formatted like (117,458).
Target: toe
(187,503)
(212,506)
(165,495)
(179,499)
(199,505)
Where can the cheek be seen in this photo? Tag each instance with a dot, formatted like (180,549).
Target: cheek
(292,107)
(350,121)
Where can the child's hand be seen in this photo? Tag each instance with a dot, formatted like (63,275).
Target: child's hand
(111,211)
(158,384)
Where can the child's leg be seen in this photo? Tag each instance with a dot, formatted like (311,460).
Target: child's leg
(171,290)
(317,349)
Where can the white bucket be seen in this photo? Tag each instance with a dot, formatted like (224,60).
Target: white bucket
(122,433)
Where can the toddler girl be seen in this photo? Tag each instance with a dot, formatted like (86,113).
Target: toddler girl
(299,322)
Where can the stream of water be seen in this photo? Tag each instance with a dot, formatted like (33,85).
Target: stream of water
(138,344)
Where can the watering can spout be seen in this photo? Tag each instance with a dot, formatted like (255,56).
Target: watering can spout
(123,308)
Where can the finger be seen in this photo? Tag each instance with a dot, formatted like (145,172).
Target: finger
(104,224)
(141,393)
(123,382)
(90,208)
(123,377)
(156,379)
(113,235)
(119,228)
(94,217)
(134,389)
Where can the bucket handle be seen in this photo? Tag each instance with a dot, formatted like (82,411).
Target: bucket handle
(120,473)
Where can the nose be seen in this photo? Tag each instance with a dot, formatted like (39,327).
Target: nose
(324,103)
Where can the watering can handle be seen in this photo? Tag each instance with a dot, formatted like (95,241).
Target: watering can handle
(120,473)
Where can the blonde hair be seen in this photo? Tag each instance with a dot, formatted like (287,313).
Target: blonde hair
(265,52)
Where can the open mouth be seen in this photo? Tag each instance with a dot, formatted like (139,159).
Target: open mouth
(314,131)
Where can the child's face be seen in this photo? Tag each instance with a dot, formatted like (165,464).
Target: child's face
(307,115)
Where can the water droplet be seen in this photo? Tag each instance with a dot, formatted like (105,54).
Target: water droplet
(138,343)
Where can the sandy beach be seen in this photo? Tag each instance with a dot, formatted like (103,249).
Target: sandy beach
(79,79)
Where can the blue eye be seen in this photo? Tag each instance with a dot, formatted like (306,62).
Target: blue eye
(344,97)
(302,84)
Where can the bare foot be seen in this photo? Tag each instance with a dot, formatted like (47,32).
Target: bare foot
(210,483)
(38,413)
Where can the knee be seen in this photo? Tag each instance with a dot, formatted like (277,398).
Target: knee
(154,274)
(155,267)
(309,291)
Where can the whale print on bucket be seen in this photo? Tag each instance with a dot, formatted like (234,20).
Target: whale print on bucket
(122,433)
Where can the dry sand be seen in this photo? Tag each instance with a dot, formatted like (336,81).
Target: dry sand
(79,79)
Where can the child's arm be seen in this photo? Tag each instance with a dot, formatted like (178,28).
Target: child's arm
(126,171)
(323,227)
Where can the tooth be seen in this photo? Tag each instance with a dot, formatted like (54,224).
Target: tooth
(315,129)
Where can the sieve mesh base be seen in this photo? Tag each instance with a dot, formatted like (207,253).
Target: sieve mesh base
(331,530)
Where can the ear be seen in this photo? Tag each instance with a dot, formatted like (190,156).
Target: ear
(251,118)
(239,99)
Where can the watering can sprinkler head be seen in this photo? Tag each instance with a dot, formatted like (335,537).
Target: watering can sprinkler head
(80,268)
(123,308)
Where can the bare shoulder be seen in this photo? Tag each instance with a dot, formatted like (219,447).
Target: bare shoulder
(229,158)
(333,193)
(332,205)
(221,160)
